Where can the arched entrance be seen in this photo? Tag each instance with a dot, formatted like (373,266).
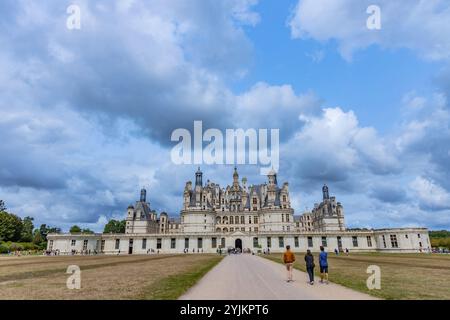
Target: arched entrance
(238,244)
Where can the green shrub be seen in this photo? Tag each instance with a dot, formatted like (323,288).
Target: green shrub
(3,248)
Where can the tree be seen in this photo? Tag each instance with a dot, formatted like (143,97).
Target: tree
(2,206)
(27,229)
(75,229)
(37,237)
(10,227)
(115,226)
(88,231)
(44,231)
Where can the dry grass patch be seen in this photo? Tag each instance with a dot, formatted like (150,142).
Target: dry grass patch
(403,276)
(102,277)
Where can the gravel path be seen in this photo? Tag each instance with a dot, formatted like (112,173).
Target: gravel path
(242,277)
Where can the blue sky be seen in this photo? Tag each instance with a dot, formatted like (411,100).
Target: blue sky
(86,115)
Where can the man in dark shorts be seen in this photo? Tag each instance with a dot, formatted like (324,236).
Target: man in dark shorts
(323,264)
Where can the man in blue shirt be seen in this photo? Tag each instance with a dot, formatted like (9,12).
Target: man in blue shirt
(323,263)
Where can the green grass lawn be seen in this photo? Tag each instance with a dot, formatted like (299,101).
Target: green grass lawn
(403,276)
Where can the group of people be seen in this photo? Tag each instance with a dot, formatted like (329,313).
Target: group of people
(289,259)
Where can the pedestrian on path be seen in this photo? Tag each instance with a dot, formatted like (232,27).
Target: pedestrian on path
(289,259)
(309,259)
(323,264)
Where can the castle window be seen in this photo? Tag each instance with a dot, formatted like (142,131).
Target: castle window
(50,245)
(102,246)
(282,218)
(249,219)
(384,241)
(394,243)
(173,243)
(214,243)
(144,243)
(281,242)
(310,242)
(158,243)
(231,220)
(269,242)
(324,241)
(200,243)
(288,228)
(369,241)
(242,220)
(355,241)
(255,242)
(296,242)
(255,209)
(418,235)
(117,244)
(222,242)
(255,201)
(284,198)
(256,229)
(85,243)
(74,242)
(231,229)
(255,219)
(186,243)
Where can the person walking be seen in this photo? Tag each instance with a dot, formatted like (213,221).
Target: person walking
(323,264)
(289,259)
(309,259)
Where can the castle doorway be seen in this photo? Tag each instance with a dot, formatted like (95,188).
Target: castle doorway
(130,247)
(238,244)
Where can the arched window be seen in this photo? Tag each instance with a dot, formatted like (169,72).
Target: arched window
(225,229)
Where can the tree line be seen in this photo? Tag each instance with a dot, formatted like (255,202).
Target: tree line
(15,229)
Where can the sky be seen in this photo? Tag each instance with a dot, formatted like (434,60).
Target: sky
(86,114)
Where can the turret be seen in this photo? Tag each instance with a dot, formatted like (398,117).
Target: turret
(325,193)
(198,178)
(235,178)
(143,195)
(272,175)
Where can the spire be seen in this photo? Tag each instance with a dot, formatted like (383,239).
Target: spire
(235,177)
(143,194)
(272,175)
(325,193)
(198,178)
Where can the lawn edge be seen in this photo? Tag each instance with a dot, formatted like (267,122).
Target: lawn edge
(174,286)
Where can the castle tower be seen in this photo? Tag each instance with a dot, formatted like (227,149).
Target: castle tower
(235,178)
(272,175)
(143,195)
(198,178)
(325,193)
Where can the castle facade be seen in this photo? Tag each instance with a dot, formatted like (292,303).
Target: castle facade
(252,218)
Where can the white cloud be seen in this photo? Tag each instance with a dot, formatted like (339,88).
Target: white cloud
(430,194)
(418,25)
